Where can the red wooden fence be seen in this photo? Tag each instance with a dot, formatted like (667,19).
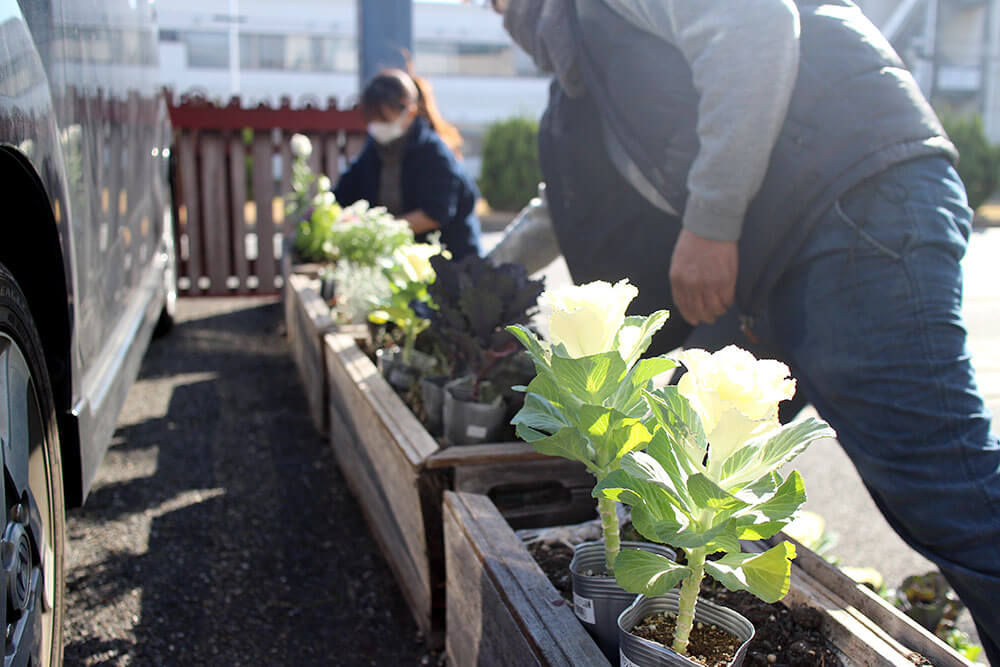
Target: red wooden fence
(228,185)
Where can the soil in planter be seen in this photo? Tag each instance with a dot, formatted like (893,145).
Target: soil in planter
(784,637)
(707,644)
(554,560)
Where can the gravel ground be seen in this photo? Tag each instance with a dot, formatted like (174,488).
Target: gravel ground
(219,530)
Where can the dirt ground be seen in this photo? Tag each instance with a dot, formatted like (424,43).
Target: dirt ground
(219,530)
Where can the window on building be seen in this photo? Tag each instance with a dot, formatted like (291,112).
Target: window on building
(298,53)
(469,59)
(207,49)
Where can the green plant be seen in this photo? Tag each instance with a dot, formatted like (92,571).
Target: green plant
(585,402)
(709,478)
(510,171)
(409,275)
(475,301)
(365,235)
(360,289)
(979,161)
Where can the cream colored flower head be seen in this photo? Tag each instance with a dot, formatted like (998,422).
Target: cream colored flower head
(324,198)
(586,318)
(415,261)
(323,183)
(736,396)
(301,146)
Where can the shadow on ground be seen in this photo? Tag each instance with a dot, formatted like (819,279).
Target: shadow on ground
(220,530)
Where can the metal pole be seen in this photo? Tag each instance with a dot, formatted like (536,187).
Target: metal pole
(385,31)
(234,47)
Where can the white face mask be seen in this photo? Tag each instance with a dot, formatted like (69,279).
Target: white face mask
(385,133)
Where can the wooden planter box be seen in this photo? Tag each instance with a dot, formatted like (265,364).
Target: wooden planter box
(502,610)
(399,473)
(307,319)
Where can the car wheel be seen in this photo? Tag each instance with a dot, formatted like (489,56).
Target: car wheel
(33,511)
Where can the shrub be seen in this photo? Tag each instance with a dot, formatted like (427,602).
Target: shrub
(510,172)
(979,162)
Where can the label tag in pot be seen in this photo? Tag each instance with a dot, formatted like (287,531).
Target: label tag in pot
(475,431)
(584,609)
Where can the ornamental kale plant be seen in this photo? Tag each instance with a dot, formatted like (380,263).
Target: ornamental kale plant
(709,477)
(475,302)
(586,402)
(409,275)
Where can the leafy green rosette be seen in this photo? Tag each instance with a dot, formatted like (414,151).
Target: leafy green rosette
(586,401)
(709,477)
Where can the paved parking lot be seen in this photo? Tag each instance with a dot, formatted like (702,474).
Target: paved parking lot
(219,531)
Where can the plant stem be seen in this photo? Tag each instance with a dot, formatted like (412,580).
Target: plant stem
(609,524)
(408,344)
(689,596)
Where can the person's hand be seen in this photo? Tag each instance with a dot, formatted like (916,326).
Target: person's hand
(703,277)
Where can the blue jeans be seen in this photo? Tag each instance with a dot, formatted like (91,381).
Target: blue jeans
(869,319)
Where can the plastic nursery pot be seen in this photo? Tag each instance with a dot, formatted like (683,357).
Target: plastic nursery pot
(927,599)
(327,288)
(598,600)
(638,652)
(467,422)
(398,374)
(432,395)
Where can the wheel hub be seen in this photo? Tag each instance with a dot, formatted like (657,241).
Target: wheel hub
(15,558)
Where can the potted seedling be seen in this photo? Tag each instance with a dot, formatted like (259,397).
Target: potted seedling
(707,479)
(409,276)
(586,404)
(474,303)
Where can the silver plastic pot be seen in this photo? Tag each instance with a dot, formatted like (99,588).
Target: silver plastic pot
(598,600)
(401,375)
(468,422)
(432,395)
(638,652)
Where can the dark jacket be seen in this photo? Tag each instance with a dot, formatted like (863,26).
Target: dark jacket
(854,112)
(432,181)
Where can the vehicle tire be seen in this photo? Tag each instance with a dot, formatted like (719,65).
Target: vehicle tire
(33,512)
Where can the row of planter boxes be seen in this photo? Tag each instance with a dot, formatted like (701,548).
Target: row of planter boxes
(445,517)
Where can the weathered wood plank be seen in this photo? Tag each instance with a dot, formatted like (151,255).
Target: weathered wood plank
(501,608)
(308,320)
(190,218)
(382,403)
(285,153)
(238,197)
(214,179)
(899,627)
(383,470)
(534,493)
(263,195)
(860,638)
(486,453)
(331,156)
(409,569)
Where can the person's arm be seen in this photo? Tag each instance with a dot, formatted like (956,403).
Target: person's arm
(420,222)
(744,57)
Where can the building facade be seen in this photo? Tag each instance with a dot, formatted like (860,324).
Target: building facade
(307,50)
